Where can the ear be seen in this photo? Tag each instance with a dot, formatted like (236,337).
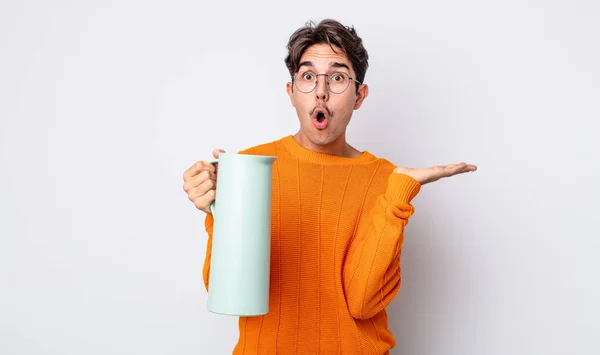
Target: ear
(363,92)
(289,88)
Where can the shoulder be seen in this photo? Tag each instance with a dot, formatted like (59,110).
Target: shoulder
(270,148)
(380,164)
(384,165)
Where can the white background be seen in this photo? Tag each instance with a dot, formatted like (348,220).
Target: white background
(104,104)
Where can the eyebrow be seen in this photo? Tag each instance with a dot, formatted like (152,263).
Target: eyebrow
(308,63)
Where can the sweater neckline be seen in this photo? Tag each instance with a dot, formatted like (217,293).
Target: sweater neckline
(320,158)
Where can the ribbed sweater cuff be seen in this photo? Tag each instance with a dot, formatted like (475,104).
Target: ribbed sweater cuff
(401,188)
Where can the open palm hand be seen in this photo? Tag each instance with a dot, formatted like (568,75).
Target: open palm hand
(434,173)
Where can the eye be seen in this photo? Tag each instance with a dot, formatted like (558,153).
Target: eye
(308,76)
(338,77)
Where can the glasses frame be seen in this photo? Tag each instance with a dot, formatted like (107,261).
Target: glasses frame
(326,82)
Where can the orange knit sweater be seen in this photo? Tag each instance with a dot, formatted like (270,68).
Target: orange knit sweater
(336,240)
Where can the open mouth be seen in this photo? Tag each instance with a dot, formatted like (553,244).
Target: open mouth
(320,117)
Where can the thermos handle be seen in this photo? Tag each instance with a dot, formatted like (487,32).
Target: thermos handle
(212,205)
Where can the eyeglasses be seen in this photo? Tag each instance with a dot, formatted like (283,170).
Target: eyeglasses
(337,83)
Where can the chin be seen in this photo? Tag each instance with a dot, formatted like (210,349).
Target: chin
(322,138)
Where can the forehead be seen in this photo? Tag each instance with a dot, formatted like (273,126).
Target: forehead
(323,56)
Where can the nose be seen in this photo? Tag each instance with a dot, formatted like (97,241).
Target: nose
(321,91)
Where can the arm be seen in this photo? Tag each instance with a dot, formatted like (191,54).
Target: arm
(371,272)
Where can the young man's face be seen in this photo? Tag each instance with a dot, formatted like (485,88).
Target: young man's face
(324,115)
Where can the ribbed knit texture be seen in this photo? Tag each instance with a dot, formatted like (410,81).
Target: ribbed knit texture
(336,240)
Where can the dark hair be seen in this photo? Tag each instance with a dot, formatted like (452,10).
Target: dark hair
(329,32)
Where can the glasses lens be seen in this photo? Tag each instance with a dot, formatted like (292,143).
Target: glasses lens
(306,82)
(338,82)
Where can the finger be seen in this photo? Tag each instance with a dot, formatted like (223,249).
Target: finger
(197,168)
(447,170)
(199,179)
(461,168)
(199,191)
(464,167)
(206,186)
(216,153)
(202,202)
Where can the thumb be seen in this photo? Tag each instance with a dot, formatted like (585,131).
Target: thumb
(216,152)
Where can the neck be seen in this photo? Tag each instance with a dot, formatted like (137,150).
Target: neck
(338,147)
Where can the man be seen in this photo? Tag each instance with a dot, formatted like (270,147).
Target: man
(338,213)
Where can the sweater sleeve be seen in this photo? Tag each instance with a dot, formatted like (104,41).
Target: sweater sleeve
(372,274)
(208,225)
